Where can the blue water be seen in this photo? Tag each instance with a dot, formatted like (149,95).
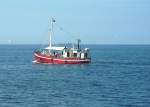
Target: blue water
(119,76)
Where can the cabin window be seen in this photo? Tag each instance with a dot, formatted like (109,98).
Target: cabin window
(68,54)
(75,54)
(85,55)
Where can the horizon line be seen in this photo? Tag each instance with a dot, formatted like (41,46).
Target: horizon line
(81,44)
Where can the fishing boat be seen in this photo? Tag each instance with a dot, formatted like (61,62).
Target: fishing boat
(62,55)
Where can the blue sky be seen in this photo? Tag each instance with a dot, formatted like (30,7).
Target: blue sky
(93,21)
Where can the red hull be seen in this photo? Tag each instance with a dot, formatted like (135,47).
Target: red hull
(51,60)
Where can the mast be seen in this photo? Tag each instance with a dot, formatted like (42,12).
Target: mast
(51,32)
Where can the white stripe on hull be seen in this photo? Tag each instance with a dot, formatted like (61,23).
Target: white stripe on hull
(69,60)
(42,56)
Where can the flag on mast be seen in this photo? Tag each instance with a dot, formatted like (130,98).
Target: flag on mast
(53,20)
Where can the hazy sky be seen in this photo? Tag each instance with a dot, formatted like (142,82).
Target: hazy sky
(93,21)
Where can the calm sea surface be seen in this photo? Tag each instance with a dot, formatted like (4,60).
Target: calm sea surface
(119,76)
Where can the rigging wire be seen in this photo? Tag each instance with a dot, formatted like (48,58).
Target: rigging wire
(62,29)
(67,33)
(73,37)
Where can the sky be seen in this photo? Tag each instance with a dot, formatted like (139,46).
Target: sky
(93,21)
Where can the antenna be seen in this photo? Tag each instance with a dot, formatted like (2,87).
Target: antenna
(79,41)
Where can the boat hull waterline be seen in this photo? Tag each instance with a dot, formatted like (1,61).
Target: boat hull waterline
(51,60)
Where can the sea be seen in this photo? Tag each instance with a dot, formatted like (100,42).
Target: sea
(118,76)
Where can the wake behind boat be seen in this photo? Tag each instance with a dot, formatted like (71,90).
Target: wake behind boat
(62,55)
